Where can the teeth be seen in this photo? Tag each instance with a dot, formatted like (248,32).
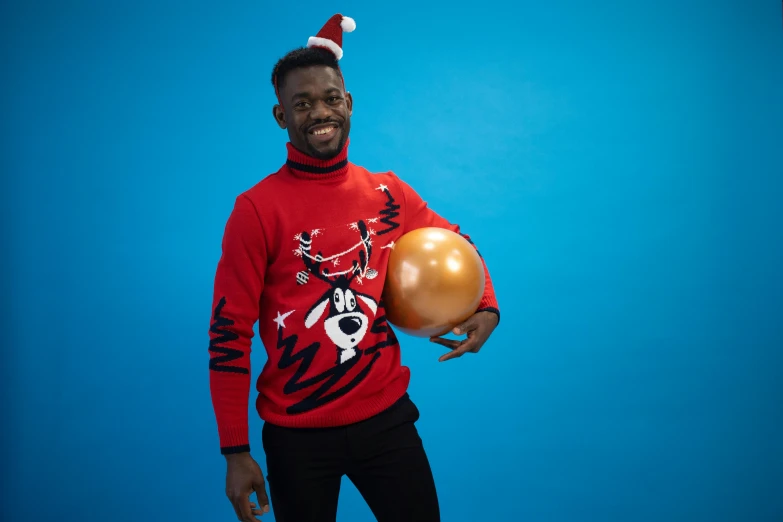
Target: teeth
(323,131)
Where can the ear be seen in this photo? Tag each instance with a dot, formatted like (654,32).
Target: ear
(349,102)
(279,115)
(369,301)
(315,313)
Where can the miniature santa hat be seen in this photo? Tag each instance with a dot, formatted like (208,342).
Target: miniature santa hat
(331,34)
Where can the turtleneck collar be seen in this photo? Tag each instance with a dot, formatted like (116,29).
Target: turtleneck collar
(303,166)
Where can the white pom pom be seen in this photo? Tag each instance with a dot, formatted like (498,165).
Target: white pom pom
(348,24)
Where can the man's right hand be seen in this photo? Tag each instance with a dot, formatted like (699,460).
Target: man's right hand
(244,476)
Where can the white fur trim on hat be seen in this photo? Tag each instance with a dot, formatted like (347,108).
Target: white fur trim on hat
(317,41)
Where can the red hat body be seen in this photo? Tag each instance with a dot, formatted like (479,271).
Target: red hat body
(331,34)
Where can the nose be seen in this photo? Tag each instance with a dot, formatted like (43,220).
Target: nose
(350,325)
(320,111)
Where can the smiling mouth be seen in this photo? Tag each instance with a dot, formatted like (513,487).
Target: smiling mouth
(323,130)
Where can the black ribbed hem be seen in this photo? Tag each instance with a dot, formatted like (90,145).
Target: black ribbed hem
(490,309)
(230,450)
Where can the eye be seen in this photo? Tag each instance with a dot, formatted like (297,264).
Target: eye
(333,99)
(339,300)
(350,301)
(301,105)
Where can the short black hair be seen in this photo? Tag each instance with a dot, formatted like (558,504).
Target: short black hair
(302,57)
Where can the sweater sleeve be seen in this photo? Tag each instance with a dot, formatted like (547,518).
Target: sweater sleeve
(238,284)
(417,214)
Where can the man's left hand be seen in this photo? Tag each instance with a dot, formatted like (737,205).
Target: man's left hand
(478,328)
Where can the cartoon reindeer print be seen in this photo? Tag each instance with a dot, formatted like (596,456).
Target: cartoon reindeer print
(346,321)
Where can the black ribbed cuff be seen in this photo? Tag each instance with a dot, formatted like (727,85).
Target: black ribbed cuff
(230,450)
(490,309)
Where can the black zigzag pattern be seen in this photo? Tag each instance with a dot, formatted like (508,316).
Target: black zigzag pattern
(380,325)
(328,378)
(221,363)
(389,213)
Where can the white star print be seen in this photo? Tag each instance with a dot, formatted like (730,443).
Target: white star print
(280,318)
(382,187)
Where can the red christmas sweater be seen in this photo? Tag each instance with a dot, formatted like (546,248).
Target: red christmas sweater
(304,254)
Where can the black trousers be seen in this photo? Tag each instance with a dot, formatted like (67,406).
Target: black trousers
(382,456)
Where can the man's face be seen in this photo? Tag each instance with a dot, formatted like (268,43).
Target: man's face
(316,111)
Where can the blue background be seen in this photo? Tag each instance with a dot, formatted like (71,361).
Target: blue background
(618,164)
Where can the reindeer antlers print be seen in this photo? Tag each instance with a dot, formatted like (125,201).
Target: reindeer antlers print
(314,262)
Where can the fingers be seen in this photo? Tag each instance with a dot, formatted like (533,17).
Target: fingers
(461,350)
(242,508)
(448,343)
(246,513)
(476,327)
(458,348)
(263,499)
(468,326)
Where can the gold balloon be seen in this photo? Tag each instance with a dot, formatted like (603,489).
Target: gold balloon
(435,280)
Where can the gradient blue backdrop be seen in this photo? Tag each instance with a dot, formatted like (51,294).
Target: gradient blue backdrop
(618,163)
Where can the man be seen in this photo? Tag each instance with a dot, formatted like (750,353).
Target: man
(304,253)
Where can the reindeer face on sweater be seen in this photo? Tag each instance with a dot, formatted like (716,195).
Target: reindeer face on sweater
(346,321)
(342,310)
